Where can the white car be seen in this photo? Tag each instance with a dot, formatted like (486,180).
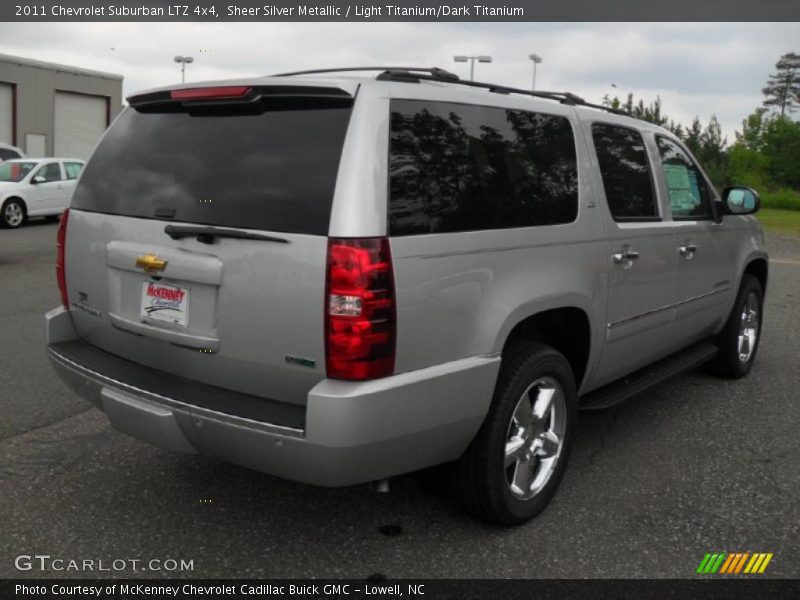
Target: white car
(8,152)
(40,187)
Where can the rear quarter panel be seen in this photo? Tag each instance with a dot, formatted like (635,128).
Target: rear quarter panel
(460,294)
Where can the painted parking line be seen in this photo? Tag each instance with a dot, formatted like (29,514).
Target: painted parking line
(785,261)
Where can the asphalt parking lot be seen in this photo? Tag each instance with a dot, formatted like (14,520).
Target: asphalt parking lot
(694,466)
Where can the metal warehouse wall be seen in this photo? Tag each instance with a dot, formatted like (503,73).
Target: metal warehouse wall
(36,85)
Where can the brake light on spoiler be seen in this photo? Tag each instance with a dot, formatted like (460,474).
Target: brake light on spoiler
(360,311)
(245,95)
(211,93)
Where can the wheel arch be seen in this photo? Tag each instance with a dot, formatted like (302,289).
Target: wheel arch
(759,268)
(22,203)
(566,329)
(16,197)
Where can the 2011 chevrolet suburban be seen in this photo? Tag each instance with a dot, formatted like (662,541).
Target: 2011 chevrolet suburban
(336,279)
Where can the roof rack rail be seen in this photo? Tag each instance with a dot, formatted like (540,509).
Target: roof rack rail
(562,97)
(416,74)
(439,74)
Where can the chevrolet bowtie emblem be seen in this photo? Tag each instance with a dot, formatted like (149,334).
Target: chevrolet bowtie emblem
(151,263)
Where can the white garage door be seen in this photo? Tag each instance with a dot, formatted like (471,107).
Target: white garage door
(79,122)
(6,113)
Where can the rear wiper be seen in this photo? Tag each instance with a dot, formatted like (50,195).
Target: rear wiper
(207,235)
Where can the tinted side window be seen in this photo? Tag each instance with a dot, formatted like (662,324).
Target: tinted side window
(6,154)
(51,172)
(455,167)
(688,194)
(626,175)
(73,169)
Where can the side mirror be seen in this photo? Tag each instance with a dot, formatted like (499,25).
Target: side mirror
(740,200)
(38,179)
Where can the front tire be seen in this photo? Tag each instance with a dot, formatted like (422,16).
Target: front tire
(515,463)
(738,341)
(12,214)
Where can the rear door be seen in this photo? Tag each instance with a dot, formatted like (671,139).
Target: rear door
(641,254)
(197,238)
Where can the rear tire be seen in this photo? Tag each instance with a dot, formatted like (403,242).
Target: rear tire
(515,463)
(738,341)
(12,214)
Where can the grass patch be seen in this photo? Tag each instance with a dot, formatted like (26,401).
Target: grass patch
(782,221)
(784,199)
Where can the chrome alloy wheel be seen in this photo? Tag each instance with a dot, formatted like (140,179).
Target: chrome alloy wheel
(14,214)
(748,328)
(535,437)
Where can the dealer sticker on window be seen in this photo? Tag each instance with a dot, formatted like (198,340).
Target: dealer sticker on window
(162,302)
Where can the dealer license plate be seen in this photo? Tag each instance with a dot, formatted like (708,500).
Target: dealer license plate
(162,302)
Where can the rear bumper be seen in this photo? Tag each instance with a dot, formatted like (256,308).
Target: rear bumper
(352,432)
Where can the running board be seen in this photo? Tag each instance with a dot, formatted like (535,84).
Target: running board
(626,388)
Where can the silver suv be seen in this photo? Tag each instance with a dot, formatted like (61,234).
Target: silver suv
(338,279)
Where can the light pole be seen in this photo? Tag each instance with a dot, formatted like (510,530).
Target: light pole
(472,59)
(183,60)
(536,60)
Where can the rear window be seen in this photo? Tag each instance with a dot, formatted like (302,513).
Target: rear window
(273,171)
(457,167)
(73,169)
(8,154)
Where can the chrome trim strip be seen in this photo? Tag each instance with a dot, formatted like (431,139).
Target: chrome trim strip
(187,340)
(172,403)
(667,307)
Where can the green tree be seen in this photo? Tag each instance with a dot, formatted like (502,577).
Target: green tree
(752,135)
(747,166)
(650,112)
(692,136)
(783,87)
(713,152)
(782,150)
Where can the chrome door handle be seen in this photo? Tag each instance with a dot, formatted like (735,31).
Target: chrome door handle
(688,251)
(625,256)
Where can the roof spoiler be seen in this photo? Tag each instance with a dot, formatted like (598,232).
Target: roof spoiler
(229,95)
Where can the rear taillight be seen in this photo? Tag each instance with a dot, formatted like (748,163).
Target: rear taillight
(61,241)
(360,321)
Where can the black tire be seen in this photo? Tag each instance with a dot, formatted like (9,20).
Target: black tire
(5,218)
(728,363)
(479,476)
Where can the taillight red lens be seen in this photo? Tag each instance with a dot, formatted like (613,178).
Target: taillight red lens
(360,317)
(210,93)
(61,240)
